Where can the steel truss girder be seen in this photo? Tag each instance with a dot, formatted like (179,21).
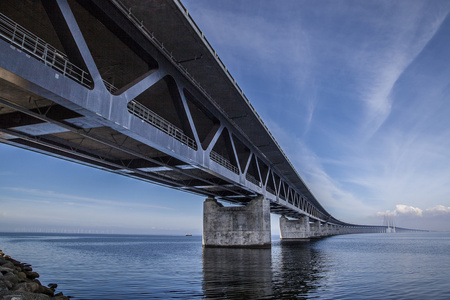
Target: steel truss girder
(111,111)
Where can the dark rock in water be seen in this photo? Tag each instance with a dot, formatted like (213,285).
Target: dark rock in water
(26,268)
(18,281)
(46,290)
(32,275)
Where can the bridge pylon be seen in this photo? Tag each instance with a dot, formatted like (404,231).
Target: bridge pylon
(237,226)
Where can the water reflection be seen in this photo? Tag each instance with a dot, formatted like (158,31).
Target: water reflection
(237,273)
(297,270)
(288,270)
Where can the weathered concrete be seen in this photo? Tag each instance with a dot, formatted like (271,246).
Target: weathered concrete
(294,230)
(316,229)
(243,226)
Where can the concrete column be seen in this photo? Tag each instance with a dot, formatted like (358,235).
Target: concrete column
(243,226)
(316,229)
(325,229)
(331,229)
(294,230)
(335,229)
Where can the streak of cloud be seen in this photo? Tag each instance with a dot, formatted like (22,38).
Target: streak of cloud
(69,198)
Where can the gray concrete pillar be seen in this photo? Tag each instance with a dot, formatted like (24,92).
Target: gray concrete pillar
(325,229)
(237,226)
(294,230)
(316,229)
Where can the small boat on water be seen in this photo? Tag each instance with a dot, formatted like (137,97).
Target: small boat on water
(188,234)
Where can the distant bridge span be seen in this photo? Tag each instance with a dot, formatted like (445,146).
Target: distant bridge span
(133,87)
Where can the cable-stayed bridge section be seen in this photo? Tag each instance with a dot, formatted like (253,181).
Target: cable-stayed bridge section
(133,87)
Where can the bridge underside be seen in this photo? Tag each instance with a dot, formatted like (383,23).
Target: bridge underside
(86,84)
(35,118)
(91,82)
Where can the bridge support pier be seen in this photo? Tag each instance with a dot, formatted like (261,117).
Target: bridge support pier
(294,230)
(316,229)
(240,227)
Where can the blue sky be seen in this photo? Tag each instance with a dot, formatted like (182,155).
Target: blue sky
(355,92)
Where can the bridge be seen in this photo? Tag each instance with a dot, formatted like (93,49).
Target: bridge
(134,87)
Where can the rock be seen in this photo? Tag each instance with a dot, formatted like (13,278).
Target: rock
(22,276)
(27,287)
(16,295)
(32,275)
(26,268)
(11,278)
(8,284)
(52,285)
(37,281)
(18,282)
(21,287)
(45,290)
(8,265)
(3,287)
(4,270)
(60,296)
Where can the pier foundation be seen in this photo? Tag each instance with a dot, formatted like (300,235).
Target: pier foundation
(294,230)
(240,227)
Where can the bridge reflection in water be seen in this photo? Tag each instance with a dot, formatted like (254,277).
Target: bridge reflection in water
(295,270)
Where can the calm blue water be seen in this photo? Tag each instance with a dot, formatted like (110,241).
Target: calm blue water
(362,266)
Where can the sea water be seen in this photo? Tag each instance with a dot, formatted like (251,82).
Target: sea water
(358,266)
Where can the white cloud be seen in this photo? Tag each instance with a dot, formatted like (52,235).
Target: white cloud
(402,209)
(433,218)
(438,210)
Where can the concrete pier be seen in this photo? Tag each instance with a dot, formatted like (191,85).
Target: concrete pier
(243,227)
(294,230)
(316,229)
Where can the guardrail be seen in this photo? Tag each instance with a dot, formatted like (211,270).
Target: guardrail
(216,157)
(252,179)
(31,44)
(149,116)
(159,122)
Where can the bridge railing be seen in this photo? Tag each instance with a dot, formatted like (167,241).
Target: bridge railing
(159,122)
(216,157)
(252,179)
(31,44)
(149,116)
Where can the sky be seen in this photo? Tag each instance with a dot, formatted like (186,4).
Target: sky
(355,92)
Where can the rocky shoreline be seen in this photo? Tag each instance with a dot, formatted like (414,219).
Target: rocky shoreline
(18,281)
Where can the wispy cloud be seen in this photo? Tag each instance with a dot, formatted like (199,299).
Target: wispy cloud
(334,197)
(398,39)
(72,199)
